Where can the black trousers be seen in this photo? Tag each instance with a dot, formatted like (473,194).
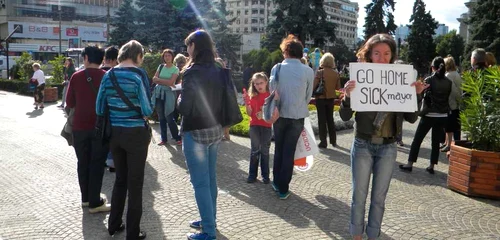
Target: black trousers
(129,147)
(286,134)
(91,156)
(426,123)
(325,120)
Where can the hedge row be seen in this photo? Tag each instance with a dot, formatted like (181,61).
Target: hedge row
(22,87)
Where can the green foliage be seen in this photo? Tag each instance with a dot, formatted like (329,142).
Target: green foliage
(306,19)
(25,63)
(421,45)
(274,58)
(403,53)
(57,70)
(243,127)
(124,24)
(379,18)
(450,44)
(151,63)
(484,28)
(256,58)
(480,116)
(342,53)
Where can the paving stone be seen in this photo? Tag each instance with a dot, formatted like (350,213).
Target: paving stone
(40,199)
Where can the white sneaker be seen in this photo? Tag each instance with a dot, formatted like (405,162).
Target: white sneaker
(103,208)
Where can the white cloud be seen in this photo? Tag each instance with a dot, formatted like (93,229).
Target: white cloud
(445,12)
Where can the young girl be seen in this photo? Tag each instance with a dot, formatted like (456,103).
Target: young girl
(260,130)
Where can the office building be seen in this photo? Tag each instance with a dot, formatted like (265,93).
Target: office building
(464,29)
(344,13)
(41,25)
(441,30)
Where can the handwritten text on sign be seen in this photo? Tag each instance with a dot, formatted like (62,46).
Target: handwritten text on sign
(383,87)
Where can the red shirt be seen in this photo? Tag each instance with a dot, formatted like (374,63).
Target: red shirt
(256,104)
(81,97)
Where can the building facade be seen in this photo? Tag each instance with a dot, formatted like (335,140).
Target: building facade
(42,25)
(464,29)
(344,13)
(441,30)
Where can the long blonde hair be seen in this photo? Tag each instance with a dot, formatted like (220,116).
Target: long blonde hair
(252,92)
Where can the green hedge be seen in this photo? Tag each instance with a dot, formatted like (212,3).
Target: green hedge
(22,87)
(243,127)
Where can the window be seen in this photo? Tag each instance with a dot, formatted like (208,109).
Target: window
(246,12)
(237,30)
(255,11)
(246,30)
(262,20)
(237,4)
(246,20)
(255,2)
(262,11)
(254,29)
(238,13)
(255,21)
(238,21)
(246,3)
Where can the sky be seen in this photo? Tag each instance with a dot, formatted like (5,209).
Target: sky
(445,12)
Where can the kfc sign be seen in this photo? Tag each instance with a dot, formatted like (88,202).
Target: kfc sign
(47,48)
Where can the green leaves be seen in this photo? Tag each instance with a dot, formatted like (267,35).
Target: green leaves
(480,116)
(379,18)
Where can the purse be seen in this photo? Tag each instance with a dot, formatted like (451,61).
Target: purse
(320,89)
(67,131)
(231,114)
(270,103)
(102,130)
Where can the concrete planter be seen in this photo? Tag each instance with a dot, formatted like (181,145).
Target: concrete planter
(50,94)
(474,173)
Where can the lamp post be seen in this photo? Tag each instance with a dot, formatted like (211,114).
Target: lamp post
(7,49)
(60,28)
(107,20)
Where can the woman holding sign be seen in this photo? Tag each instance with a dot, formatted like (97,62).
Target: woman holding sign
(374,147)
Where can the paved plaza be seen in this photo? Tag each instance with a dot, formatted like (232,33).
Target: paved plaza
(40,197)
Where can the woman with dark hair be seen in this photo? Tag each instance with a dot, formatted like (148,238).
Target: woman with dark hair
(294,88)
(374,147)
(69,69)
(130,134)
(164,98)
(434,115)
(201,110)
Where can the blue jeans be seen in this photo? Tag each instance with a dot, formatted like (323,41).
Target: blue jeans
(201,160)
(365,159)
(164,120)
(286,134)
(260,140)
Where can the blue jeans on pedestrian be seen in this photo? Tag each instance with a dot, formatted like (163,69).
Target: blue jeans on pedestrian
(166,120)
(286,134)
(201,160)
(366,158)
(260,141)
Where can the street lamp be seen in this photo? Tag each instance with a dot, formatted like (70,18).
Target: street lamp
(60,28)
(7,48)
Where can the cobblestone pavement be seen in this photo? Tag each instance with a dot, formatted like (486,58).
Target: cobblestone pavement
(39,196)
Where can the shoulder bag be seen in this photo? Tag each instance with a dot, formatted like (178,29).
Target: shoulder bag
(320,89)
(270,102)
(231,114)
(103,123)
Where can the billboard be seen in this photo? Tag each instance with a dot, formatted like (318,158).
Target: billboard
(51,31)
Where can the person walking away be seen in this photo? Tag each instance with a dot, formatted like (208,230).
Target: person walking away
(294,88)
(90,152)
(39,80)
(179,61)
(434,115)
(373,150)
(164,98)
(201,108)
(69,70)
(453,122)
(325,101)
(260,130)
(130,135)
(110,60)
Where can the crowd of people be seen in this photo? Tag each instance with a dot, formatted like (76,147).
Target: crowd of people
(112,87)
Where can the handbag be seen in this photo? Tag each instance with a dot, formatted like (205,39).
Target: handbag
(270,103)
(231,114)
(102,130)
(127,101)
(67,131)
(320,89)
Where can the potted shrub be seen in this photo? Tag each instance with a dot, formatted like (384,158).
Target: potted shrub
(475,163)
(51,92)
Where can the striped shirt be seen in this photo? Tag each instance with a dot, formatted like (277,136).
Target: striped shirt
(135,84)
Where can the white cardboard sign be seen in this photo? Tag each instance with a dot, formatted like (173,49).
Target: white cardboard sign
(383,87)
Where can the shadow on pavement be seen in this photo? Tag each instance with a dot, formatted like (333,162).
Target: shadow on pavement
(35,113)
(93,225)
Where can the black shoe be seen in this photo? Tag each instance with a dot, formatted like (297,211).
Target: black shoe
(322,145)
(401,144)
(405,169)
(119,229)
(112,169)
(142,235)
(430,170)
(251,180)
(266,181)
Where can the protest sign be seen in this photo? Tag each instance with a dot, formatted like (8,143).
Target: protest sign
(383,87)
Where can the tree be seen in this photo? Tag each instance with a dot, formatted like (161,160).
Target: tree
(420,43)
(343,55)
(155,17)
(306,19)
(227,44)
(379,18)
(450,44)
(484,28)
(124,24)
